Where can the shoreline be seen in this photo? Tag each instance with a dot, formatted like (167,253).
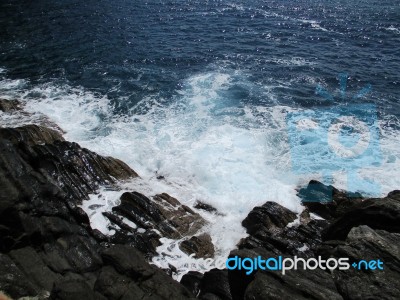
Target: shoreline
(51,251)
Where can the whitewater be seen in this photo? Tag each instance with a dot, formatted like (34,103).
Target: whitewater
(202,146)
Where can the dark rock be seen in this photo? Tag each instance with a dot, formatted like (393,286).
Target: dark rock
(238,279)
(327,201)
(135,292)
(215,282)
(163,214)
(127,260)
(200,245)
(72,290)
(317,192)
(42,175)
(298,284)
(55,258)
(76,170)
(29,261)
(268,228)
(139,209)
(81,253)
(271,216)
(375,213)
(72,253)
(13,281)
(192,281)
(145,242)
(394,195)
(209,296)
(111,284)
(206,207)
(365,243)
(31,135)
(164,287)
(151,280)
(184,220)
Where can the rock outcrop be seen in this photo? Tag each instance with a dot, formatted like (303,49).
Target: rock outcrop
(47,247)
(356,229)
(49,251)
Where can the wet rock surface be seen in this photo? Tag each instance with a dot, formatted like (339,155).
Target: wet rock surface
(9,105)
(200,245)
(47,247)
(356,228)
(49,251)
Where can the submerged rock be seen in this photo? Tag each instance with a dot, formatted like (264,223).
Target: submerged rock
(206,207)
(9,105)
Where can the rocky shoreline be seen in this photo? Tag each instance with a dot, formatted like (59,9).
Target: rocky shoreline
(48,249)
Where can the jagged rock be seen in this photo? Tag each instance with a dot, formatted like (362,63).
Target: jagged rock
(13,281)
(185,221)
(47,245)
(76,170)
(271,216)
(327,201)
(44,156)
(200,245)
(32,265)
(151,281)
(376,213)
(300,284)
(267,228)
(301,239)
(270,236)
(215,283)
(81,253)
(192,281)
(134,292)
(47,179)
(31,135)
(111,284)
(394,195)
(74,289)
(127,260)
(365,243)
(163,216)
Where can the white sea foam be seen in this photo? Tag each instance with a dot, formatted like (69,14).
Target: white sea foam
(314,24)
(207,146)
(104,201)
(394,29)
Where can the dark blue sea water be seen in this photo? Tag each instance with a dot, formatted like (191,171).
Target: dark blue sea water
(131,49)
(200,92)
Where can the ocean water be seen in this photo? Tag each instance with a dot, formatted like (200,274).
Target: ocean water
(199,92)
